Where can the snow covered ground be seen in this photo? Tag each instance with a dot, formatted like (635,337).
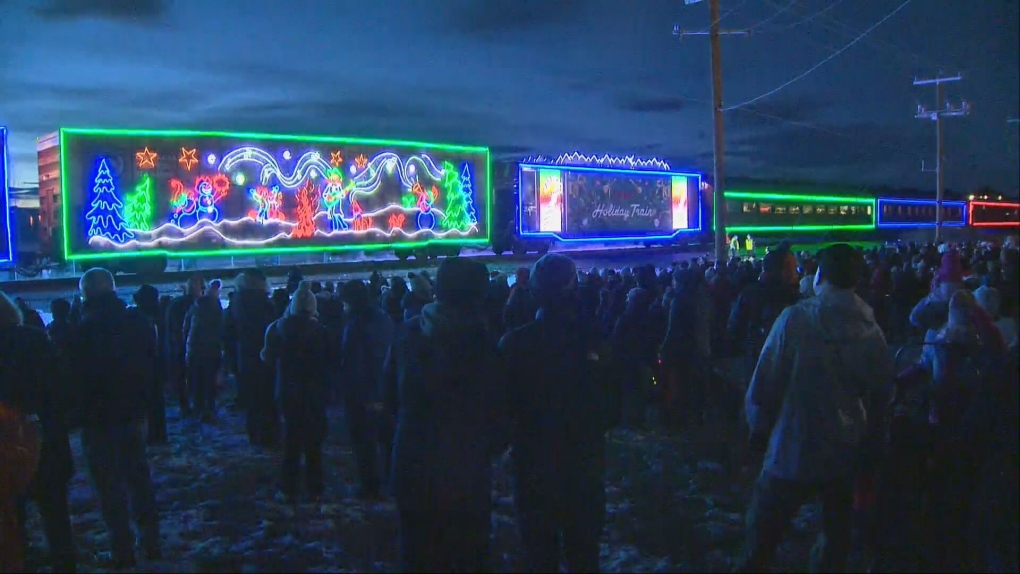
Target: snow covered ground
(674,504)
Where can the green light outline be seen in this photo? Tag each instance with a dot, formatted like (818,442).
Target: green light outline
(791,197)
(68,256)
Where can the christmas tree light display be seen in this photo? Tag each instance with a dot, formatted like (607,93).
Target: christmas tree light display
(105,219)
(138,206)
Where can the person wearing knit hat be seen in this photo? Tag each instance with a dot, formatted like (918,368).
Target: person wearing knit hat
(932,312)
(564,397)
(298,350)
(443,386)
(365,341)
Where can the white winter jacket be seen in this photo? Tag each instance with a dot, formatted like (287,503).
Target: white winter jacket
(822,358)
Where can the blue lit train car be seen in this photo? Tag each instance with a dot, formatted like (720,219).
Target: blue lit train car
(896,213)
(578,199)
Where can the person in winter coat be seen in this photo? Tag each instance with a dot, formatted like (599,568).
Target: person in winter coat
(443,384)
(687,347)
(636,344)
(759,304)
(297,348)
(933,311)
(112,352)
(248,317)
(60,326)
(561,389)
(365,342)
(822,376)
(147,302)
(32,382)
(520,305)
(419,296)
(203,336)
(991,301)
(175,350)
(32,317)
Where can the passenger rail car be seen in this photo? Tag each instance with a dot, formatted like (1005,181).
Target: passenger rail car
(995,214)
(894,213)
(779,212)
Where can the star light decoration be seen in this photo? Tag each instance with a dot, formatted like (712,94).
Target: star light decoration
(361,161)
(188,158)
(581,160)
(146,159)
(335,158)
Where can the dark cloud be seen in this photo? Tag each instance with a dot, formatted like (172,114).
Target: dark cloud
(646,104)
(37,94)
(133,11)
(863,152)
(802,109)
(510,150)
(500,17)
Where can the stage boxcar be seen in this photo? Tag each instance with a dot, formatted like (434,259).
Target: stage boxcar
(136,193)
(907,213)
(576,198)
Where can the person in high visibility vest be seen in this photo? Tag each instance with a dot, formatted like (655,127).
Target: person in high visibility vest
(735,246)
(749,244)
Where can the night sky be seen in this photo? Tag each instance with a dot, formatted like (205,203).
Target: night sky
(533,76)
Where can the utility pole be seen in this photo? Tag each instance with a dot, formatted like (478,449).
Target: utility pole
(718,137)
(936,116)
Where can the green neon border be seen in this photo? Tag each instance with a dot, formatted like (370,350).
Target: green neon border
(68,256)
(777,196)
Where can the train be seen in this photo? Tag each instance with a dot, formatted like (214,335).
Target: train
(131,199)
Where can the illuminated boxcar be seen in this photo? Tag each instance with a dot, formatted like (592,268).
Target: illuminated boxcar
(576,198)
(906,213)
(6,235)
(130,193)
(755,212)
(994,213)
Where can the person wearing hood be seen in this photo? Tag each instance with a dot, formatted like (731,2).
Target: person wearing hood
(990,300)
(112,351)
(249,315)
(297,349)
(562,389)
(932,312)
(442,384)
(822,377)
(364,344)
(203,342)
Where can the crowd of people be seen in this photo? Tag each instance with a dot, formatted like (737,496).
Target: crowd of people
(438,376)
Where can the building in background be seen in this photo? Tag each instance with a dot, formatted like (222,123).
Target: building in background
(24,205)
(48,153)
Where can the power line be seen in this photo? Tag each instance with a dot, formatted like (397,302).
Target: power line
(823,62)
(837,26)
(774,15)
(725,14)
(936,115)
(811,17)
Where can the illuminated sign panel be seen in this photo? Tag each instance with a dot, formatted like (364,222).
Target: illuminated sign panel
(789,212)
(6,235)
(194,194)
(581,203)
(920,213)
